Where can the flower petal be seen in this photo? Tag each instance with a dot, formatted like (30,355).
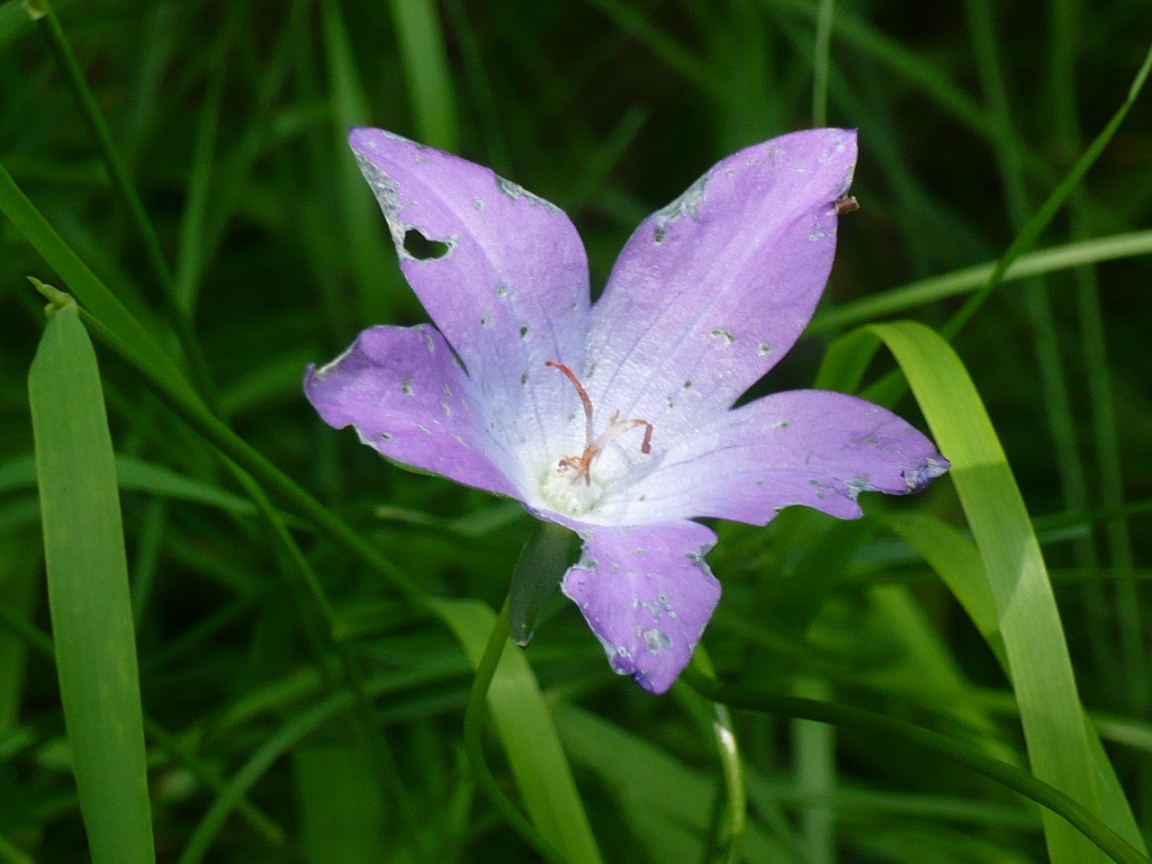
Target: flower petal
(402,390)
(508,287)
(713,290)
(810,447)
(647,593)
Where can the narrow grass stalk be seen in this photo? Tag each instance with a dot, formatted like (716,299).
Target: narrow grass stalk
(1051,206)
(659,43)
(821,61)
(479,84)
(734,801)
(1094,351)
(732,770)
(1053,382)
(1020,781)
(936,288)
(322,625)
(1062,748)
(906,63)
(192,249)
(295,730)
(10,853)
(49,25)
(425,59)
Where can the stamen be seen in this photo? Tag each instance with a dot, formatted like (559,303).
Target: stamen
(616,428)
(593,448)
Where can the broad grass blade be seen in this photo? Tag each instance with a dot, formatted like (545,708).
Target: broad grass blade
(88,593)
(1062,746)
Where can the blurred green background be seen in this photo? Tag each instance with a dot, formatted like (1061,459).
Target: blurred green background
(230,119)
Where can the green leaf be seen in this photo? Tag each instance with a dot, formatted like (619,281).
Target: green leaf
(1062,747)
(88,593)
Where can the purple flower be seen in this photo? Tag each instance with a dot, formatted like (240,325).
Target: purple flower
(616,419)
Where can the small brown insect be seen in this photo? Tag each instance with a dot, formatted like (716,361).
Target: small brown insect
(846,204)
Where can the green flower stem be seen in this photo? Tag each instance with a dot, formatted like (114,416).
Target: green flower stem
(199,418)
(474,743)
(731,768)
(877,724)
(53,33)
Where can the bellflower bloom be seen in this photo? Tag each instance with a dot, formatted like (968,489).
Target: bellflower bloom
(616,419)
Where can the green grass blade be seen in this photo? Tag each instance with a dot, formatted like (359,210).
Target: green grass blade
(898,300)
(83,283)
(177,395)
(138,475)
(820,63)
(525,726)
(642,776)
(957,562)
(1035,226)
(341,810)
(661,44)
(366,247)
(14,20)
(294,730)
(1060,745)
(426,67)
(192,248)
(122,183)
(960,751)
(903,61)
(88,593)
(19,593)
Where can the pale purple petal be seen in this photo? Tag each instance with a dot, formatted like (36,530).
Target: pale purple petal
(510,292)
(647,593)
(404,393)
(713,290)
(810,447)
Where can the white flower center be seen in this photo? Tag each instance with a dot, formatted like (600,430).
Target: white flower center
(570,485)
(568,494)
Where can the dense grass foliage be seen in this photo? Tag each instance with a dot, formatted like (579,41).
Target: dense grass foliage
(307,618)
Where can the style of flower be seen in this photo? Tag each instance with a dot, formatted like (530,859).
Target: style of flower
(616,419)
